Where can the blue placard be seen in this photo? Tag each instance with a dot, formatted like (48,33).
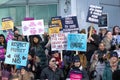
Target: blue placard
(94,12)
(77,42)
(17,53)
(70,24)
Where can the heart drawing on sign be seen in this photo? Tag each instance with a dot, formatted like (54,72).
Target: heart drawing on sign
(9,56)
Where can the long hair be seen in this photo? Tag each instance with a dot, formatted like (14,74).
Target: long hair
(114,30)
(1,35)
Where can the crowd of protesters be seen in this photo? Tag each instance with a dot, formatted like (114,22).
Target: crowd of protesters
(99,62)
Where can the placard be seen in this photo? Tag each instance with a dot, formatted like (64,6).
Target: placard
(93,14)
(54,30)
(70,24)
(58,41)
(17,53)
(56,21)
(103,20)
(10,35)
(7,23)
(77,42)
(33,27)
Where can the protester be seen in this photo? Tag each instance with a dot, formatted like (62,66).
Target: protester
(52,72)
(111,66)
(98,60)
(38,48)
(77,72)
(108,40)
(92,42)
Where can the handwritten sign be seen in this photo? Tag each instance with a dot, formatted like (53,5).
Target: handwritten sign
(58,41)
(70,24)
(56,21)
(93,14)
(7,23)
(77,42)
(17,53)
(33,27)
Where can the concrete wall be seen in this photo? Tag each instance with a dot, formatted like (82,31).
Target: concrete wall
(111,7)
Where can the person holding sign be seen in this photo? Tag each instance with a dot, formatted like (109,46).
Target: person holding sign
(92,42)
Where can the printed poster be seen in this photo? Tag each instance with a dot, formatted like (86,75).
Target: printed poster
(7,23)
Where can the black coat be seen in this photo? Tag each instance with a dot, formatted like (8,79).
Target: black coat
(48,73)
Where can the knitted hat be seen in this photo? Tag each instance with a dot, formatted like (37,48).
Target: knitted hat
(76,58)
(114,54)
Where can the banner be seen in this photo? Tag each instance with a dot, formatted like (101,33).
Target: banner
(17,53)
(77,42)
(56,21)
(33,27)
(93,14)
(103,21)
(58,41)
(70,24)
(7,23)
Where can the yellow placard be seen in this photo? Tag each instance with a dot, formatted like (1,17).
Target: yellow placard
(58,22)
(7,25)
(54,30)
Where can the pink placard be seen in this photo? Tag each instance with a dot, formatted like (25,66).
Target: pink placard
(75,76)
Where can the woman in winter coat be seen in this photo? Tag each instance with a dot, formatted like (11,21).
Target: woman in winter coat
(38,47)
(77,72)
(111,66)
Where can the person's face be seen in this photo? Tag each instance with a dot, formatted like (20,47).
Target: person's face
(20,38)
(109,35)
(1,39)
(52,62)
(117,29)
(101,46)
(103,31)
(114,61)
(77,64)
(56,54)
(16,32)
(35,39)
(23,71)
(29,57)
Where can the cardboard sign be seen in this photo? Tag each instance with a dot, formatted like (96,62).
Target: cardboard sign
(103,21)
(56,21)
(58,41)
(77,42)
(33,27)
(17,53)
(54,30)
(7,23)
(70,24)
(93,14)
